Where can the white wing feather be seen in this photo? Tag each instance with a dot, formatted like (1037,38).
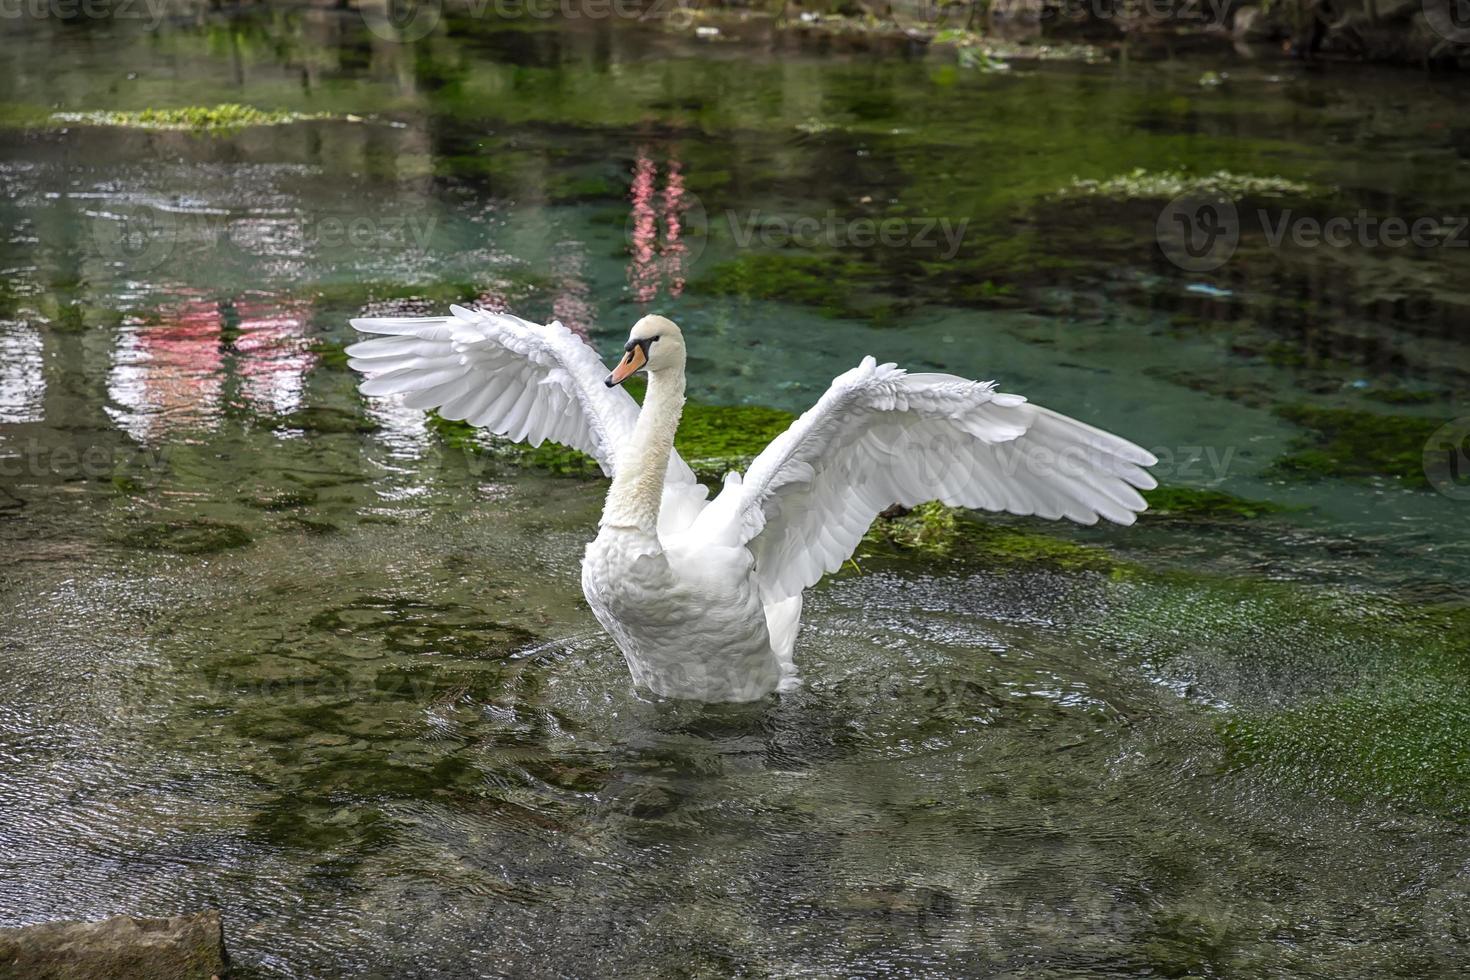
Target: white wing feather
(526,381)
(881,436)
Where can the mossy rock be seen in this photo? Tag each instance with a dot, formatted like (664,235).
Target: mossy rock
(937,531)
(406,626)
(1352,444)
(1212,505)
(194,537)
(273,500)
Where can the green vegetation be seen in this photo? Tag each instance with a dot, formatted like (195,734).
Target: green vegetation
(225,117)
(1347,443)
(228,117)
(1167,184)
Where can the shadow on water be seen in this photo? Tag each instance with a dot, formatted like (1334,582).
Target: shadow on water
(320,663)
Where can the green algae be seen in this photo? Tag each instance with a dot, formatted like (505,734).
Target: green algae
(1353,444)
(226,117)
(1193,502)
(715,439)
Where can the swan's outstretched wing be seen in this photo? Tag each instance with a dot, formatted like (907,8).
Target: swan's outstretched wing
(528,382)
(881,436)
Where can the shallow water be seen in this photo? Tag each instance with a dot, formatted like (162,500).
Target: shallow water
(276,649)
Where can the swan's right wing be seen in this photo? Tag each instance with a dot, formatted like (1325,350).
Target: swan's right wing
(528,382)
(881,436)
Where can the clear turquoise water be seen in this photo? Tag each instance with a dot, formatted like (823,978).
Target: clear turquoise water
(273,648)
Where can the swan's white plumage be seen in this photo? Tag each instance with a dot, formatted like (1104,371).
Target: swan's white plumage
(881,436)
(707,604)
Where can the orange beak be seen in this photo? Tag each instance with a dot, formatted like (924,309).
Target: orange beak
(636,357)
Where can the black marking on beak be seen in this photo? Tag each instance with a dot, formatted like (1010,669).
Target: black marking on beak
(612,380)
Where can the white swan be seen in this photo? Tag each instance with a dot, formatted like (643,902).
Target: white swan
(704,597)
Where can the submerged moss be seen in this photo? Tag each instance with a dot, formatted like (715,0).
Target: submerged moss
(1207,504)
(226,116)
(1348,443)
(828,283)
(1404,738)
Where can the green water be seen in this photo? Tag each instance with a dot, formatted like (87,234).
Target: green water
(276,649)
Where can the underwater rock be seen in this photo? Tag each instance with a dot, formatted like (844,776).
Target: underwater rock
(198,537)
(185,947)
(936,531)
(324,419)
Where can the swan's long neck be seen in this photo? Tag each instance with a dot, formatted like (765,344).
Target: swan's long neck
(638,486)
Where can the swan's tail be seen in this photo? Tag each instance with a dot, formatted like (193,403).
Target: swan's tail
(783,620)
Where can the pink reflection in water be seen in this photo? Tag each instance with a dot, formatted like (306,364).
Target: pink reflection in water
(272,354)
(173,375)
(572,305)
(655,231)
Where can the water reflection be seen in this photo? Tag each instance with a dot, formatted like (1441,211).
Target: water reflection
(22,380)
(656,230)
(172,375)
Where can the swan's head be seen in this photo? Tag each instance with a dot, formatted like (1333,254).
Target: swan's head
(655,344)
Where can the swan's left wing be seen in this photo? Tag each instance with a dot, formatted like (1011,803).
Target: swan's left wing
(526,381)
(881,436)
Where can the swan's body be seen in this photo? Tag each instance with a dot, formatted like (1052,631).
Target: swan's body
(703,597)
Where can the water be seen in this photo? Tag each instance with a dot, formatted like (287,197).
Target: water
(275,649)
